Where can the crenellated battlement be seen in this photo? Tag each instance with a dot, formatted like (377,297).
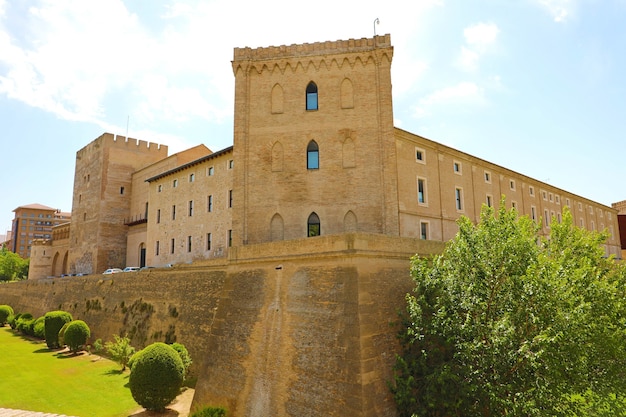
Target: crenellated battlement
(119,141)
(316,48)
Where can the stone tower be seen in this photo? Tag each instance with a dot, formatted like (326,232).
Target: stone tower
(102,197)
(313,141)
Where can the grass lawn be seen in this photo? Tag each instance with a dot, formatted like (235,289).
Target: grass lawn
(32,377)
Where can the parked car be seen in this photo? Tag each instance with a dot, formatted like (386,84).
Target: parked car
(112,271)
(131,269)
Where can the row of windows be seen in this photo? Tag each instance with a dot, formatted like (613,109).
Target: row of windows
(210,171)
(190,207)
(189,243)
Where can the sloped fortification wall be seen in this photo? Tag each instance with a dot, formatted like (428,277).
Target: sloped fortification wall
(298,328)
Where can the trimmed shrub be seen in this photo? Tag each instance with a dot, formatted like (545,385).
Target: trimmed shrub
(24,324)
(54,321)
(62,334)
(39,328)
(76,335)
(210,412)
(184,356)
(5,312)
(12,320)
(156,376)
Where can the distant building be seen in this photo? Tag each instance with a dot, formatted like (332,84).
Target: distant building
(314,153)
(34,221)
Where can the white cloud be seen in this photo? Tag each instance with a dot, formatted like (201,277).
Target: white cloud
(560,10)
(464,93)
(478,39)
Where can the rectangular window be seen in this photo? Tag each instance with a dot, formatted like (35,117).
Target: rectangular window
(567,202)
(173,245)
(580,207)
(424,230)
(550,197)
(209,203)
(175,183)
(208,241)
(512,185)
(192,177)
(458,196)
(159,188)
(156,250)
(582,223)
(531,190)
(533,213)
(188,243)
(546,219)
(514,204)
(230,198)
(489,200)
(158,216)
(488,177)
(457,167)
(121,190)
(557,199)
(420,155)
(210,171)
(231,164)
(230,238)
(421,191)
(190,208)
(544,195)
(174,212)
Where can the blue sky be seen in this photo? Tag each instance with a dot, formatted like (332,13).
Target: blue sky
(537,86)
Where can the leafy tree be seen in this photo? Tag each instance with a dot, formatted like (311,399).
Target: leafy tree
(184,356)
(156,376)
(12,266)
(54,321)
(76,334)
(6,311)
(120,351)
(506,323)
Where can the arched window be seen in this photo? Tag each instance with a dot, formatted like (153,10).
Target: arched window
(311,96)
(313,225)
(312,156)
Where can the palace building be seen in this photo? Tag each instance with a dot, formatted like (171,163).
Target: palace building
(315,152)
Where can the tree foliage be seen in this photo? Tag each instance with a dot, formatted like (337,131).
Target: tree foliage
(156,376)
(6,311)
(12,266)
(506,323)
(120,351)
(184,357)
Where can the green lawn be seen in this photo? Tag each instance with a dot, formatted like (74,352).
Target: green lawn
(32,377)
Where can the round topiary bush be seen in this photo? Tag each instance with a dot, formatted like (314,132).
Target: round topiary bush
(54,320)
(156,376)
(39,328)
(24,323)
(76,334)
(5,312)
(184,356)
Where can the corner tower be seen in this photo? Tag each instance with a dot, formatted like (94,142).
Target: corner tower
(314,145)
(102,199)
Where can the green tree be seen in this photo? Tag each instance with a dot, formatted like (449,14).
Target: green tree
(12,266)
(506,323)
(76,335)
(184,356)
(156,376)
(120,351)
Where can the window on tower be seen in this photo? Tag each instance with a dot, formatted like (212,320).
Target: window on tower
(311,96)
(312,155)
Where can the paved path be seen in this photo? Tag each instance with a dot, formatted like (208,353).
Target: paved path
(5,412)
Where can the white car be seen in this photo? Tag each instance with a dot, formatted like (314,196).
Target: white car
(112,271)
(131,269)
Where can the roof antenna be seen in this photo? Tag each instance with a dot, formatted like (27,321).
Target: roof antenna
(376,22)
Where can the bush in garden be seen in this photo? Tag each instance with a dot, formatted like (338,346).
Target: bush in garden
(62,334)
(156,376)
(5,312)
(120,351)
(184,356)
(76,335)
(210,412)
(39,328)
(24,324)
(54,321)
(12,320)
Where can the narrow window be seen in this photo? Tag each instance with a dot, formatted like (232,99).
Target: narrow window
(121,190)
(158,219)
(457,167)
(531,190)
(230,198)
(312,156)
(311,96)
(175,183)
(546,219)
(512,185)
(159,188)
(210,171)
(188,243)
(489,202)
(190,208)
(488,177)
(209,203)
(192,177)
(174,212)
(423,230)
(458,195)
(231,164)
(421,191)
(173,245)
(208,241)
(156,250)
(313,225)
(420,155)
(230,238)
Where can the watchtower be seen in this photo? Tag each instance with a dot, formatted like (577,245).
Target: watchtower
(314,145)
(102,197)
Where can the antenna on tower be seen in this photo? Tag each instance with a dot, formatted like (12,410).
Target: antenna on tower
(376,22)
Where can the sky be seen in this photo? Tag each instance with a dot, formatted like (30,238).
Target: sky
(536,86)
